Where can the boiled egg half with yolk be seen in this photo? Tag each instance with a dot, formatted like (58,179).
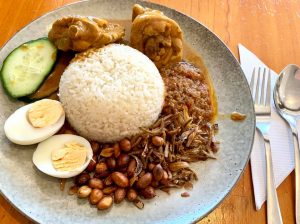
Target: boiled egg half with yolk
(35,122)
(63,156)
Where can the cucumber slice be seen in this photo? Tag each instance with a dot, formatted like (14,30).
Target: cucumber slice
(51,83)
(27,66)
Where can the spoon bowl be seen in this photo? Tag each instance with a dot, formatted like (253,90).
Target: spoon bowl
(286,97)
(287,91)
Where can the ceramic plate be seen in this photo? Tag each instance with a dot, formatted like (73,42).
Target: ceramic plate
(38,196)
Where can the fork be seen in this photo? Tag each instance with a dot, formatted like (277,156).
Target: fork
(261,92)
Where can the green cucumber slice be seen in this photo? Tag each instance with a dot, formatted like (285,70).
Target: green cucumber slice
(27,66)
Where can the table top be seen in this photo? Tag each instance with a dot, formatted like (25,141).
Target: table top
(270,29)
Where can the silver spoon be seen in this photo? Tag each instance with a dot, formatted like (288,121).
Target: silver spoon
(287,102)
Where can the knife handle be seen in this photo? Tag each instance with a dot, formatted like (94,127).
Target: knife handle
(273,209)
(297,173)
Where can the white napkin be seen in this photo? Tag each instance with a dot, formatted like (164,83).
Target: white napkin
(280,138)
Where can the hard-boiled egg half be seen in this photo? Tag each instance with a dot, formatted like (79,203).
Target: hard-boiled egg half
(35,122)
(63,156)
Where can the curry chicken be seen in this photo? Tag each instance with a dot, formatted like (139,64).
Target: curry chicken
(81,33)
(156,35)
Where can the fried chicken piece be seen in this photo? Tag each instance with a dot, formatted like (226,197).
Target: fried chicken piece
(80,33)
(156,35)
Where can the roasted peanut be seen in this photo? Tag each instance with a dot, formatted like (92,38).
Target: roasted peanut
(107,152)
(158,172)
(165,179)
(96,183)
(104,174)
(102,169)
(151,166)
(125,145)
(122,160)
(108,181)
(165,176)
(123,169)
(105,203)
(111,163)
(131,168)
(95,196)
(144,181)
(131,194)
(110,189)
(119,195)
(84,191)
(120,179)
(95,147)
(142,173)
(148,192)
(157,141)
(82,179)
(96,175)
(117,150)
(92,165)
(154,183)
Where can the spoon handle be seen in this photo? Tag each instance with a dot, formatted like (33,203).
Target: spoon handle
(297,173)
(273,209)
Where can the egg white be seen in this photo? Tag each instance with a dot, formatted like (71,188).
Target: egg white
(42,155)
(18,129)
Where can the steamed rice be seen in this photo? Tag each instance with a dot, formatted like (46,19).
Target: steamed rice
(109,93)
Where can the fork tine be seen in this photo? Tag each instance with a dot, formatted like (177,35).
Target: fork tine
(268,94)
(252,82)
(262,90)
(257,86)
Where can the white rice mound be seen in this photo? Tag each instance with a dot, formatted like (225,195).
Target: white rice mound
(109,93)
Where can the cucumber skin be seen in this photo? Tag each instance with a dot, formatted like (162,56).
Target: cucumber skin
(49,72)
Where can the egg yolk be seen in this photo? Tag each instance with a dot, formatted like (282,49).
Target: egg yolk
(44,113)
(70,157)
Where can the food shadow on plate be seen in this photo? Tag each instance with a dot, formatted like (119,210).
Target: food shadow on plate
(81,202)
(50,185)
(123,205)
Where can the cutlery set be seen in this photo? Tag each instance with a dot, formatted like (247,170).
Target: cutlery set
(286,95)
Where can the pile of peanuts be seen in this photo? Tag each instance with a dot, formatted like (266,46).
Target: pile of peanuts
(113,175)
